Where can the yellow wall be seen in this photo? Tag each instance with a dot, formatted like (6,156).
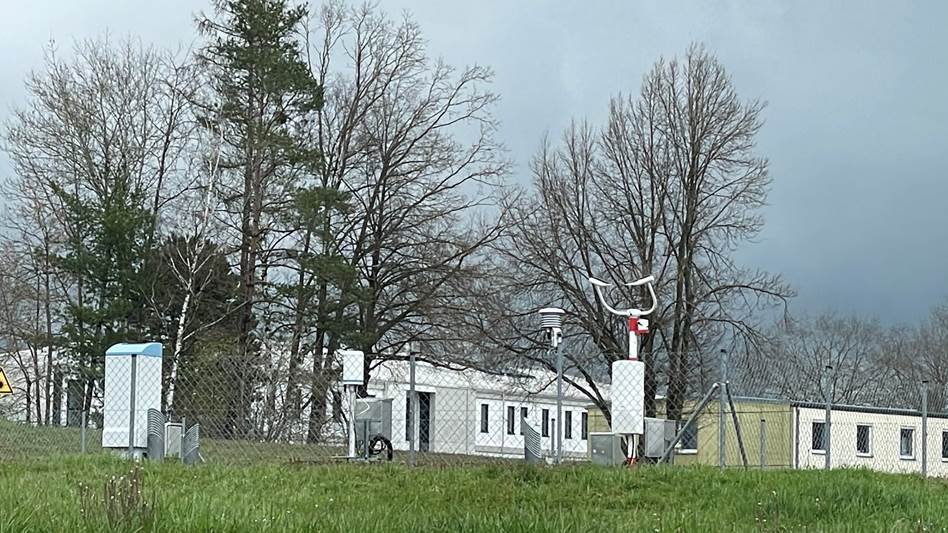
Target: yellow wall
(778,445)
(597,421)
(778,433)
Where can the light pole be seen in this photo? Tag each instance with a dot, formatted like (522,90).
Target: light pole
(551,320)
(628,376)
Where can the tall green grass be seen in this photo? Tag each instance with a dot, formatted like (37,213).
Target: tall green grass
(68,494)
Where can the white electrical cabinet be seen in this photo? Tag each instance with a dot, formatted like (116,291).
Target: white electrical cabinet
(132,387)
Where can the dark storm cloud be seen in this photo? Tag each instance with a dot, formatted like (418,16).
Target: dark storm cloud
(857,121)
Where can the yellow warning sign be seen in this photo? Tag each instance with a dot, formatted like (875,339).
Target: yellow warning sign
(4,384)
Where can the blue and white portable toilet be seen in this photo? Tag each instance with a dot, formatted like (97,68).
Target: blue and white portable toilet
(132,387)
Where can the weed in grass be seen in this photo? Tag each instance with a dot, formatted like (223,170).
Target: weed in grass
(768,513)
(121,501)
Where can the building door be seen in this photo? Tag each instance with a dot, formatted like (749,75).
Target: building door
(424,421)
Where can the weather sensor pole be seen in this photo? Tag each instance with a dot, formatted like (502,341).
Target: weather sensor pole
(628,377)
(551,321)
(353,377)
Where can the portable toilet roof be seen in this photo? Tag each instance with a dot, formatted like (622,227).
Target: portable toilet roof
(147,349)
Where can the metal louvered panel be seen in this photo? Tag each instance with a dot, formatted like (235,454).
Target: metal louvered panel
(531,443)
(191,453)
(156,435)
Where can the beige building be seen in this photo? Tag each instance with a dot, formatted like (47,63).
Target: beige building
(784,434)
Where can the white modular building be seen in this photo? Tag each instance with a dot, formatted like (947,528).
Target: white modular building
(887,440)
(473,412)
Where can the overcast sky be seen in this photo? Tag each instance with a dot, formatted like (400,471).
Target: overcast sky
(856,127)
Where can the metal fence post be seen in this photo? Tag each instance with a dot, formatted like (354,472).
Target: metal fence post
(412,406)
(763,443)
(737,426)
(925,428)
(82,431)
(131,409)
(827,422)
(559,402)
(503,420)
(722,457)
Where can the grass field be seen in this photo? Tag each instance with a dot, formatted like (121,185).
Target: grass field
(76,494)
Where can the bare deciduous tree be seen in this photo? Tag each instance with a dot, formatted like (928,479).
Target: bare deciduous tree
(670,186)
(909,355)
(409,162)
(793,365)
(95,154)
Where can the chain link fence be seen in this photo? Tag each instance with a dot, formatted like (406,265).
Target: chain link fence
(417,412)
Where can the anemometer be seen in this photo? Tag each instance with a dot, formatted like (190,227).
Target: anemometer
(628,376)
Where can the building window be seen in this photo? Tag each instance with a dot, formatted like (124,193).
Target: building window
(819,437)
(408,417)
(907,443)
(546,423)
(863,440)
(511,418)
(484,426)
(944,445)
(568,425)
(689,438)
(584,426)
(523,417)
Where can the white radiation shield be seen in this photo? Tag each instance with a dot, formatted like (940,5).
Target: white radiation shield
(628,397)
